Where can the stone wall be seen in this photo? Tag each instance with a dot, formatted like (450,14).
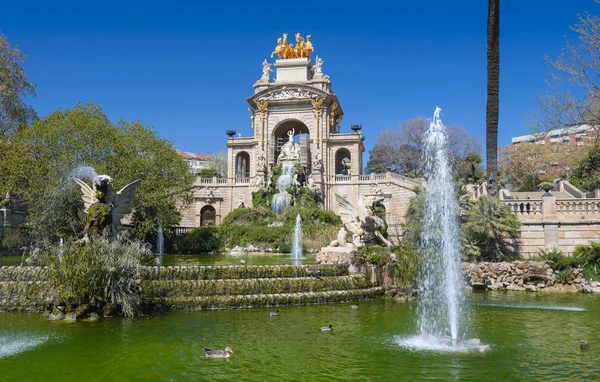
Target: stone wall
(524,275)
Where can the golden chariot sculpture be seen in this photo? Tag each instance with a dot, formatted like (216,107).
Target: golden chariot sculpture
(301,50)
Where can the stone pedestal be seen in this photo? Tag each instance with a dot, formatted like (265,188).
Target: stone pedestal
(292,70)
(338,255)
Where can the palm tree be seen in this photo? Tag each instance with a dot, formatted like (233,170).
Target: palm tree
(472,160)
(493,101)
(491,226)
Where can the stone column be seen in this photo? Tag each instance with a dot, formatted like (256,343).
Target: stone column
(549,221)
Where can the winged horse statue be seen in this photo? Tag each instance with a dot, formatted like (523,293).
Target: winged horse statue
(104,207)
(360,222)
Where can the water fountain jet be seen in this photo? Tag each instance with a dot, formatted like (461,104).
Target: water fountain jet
(440,310)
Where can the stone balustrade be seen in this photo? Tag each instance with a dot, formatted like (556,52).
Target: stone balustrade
(578,208)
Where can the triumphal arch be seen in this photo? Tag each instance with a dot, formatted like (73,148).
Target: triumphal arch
(295,100)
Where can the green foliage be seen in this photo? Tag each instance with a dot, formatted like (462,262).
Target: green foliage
(14,240)
(312,216)
(243,216)
(208,173)
(96,273)
(528,183)
(262,198)
(404,270)
(413,221)
(14,113)
(40,160)
(587,175)
(557,260)
(588,254)
(199,240)
(472,171)
(490,226)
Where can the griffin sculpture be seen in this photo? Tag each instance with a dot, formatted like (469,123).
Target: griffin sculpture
(103,207)
(360,222)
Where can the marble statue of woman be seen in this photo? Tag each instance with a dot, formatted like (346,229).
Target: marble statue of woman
(289,151)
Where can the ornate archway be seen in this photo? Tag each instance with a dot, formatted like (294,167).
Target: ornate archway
(342,162)
(242,165)
(208,216)
(301,136)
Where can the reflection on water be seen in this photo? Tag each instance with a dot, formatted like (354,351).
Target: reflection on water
(527,344)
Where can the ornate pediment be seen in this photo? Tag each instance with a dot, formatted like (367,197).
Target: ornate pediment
(282,93)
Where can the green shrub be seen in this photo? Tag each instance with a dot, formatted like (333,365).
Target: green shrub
(588,254)
(256,215)
(208,172)
(491,227)
(199,240)
(96,273)
(557,260)
(14,240)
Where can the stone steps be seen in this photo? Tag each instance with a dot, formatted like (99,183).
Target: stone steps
(263,300)
(241,272)
(196,288)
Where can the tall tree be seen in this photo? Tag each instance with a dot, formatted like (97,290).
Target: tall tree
(14,87)
(573,97)
(45,157)
(493,95)
(400,150)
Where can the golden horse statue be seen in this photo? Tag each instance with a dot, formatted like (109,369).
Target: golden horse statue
(303,49)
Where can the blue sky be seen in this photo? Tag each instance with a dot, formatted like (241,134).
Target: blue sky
(188,69)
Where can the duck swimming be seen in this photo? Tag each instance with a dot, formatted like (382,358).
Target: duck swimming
(217,353)
(326,328)
(353,306)
(275,313)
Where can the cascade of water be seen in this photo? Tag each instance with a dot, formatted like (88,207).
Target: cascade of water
(160,242)
(439,309)
(297,243)
(282,199)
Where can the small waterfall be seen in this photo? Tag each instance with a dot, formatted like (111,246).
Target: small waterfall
(160,242)
(297,243)
(282,199)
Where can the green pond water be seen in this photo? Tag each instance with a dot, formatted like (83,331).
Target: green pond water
(533,338)
(220,259)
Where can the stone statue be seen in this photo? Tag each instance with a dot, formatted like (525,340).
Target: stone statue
(312,185)
(257,183)
(266,70)
(318,163)
(240,202)
(317,68)
(360,222)
(261,163)
(103,207)
(290,150)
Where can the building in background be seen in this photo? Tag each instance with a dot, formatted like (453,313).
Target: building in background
(576,135)
(196,161)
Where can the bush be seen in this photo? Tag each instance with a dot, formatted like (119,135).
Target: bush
(492,228)
(97,273)
(243,216)
(588,254)
(14,241)
(199,240)
(208,173)
(557,260)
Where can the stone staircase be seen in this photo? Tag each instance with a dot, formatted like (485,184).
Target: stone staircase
(232,287)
